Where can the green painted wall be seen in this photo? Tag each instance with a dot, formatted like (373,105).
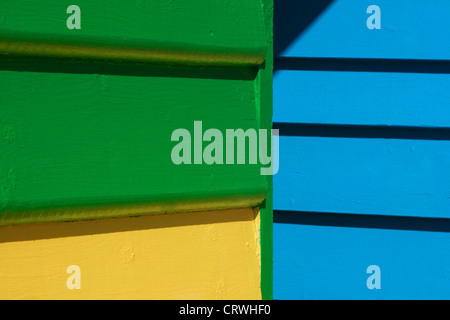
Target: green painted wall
(96,139)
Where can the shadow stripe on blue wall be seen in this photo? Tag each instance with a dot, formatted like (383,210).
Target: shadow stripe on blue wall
(361,221)
(362,65)
(361,131)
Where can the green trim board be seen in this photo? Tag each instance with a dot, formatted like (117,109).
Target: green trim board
(12,46)
(265,92)
(182,31)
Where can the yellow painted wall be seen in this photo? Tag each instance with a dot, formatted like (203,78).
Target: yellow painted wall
(201,255)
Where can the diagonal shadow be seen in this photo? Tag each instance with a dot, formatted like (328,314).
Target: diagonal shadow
(291,18)
(52,230)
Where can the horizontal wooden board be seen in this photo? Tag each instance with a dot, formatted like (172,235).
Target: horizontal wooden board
(362,98)
(409,29)
(183,31)
(83,140)
(326,256)
(401,177)
(202,255)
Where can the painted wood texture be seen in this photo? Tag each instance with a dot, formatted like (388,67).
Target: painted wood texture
(86,139)
(325,256)
(202,255)
(364,140)
(362,98)
(367,176)
(87,115)
(327,28)
(192,32)
(265,94)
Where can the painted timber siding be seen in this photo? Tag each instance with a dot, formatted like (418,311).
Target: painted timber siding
(106,139)
(148,31)
(201,255)
(337,29)
(86,120)
(364,150)
(326,256)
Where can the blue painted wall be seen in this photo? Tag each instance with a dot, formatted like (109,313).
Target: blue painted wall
(410,29)
(364,177)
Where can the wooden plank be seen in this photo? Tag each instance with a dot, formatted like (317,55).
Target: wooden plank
(362,98)
(202,255)
(408,29)
(80,140)
(326,256)
(399,177)
(186,32)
